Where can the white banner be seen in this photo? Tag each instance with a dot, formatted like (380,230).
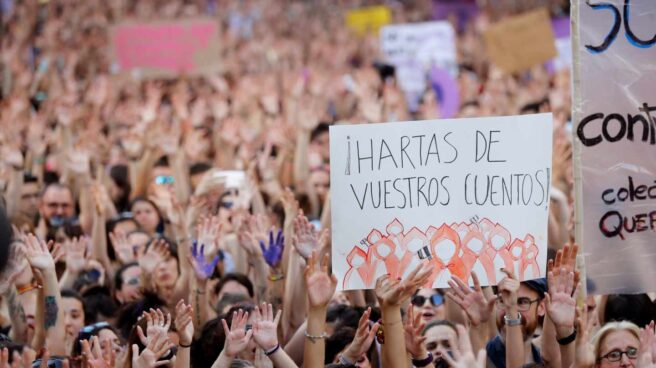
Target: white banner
(415,48)
(466,195)
(615,130)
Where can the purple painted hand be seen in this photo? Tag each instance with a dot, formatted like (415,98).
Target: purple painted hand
(202,268)
(273,254)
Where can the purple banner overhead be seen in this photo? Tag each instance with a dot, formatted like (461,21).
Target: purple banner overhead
(463,10)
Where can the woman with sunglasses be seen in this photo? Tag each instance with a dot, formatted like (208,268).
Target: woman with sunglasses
(430,304)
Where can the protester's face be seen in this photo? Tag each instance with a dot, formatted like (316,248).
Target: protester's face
(146,216)
(232,287)
(131,287)
(440,337)
(29,301)
(322,145)
(126,226)
(429,312)
(166,273)
(529,317)
(57,202)
(106,335)
(73,316)
(617,341)
(320,179)
(29,203)
(138,241)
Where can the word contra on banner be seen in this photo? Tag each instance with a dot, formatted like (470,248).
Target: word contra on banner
(432,178)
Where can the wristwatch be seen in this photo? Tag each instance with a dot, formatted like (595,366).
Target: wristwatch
(510,322)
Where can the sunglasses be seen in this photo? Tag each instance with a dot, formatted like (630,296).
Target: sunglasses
(436,300)
(164,179)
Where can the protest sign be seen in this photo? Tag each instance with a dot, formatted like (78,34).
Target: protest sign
(615,143)
(417,49)
(465,195)
(166,49)
(369,19)
(521,42)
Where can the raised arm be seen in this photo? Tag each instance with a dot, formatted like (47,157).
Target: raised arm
(391,294)
(477,307)
(265,334)
(236,340)
(38,256)
(561,308)
(508,288)
(320,287)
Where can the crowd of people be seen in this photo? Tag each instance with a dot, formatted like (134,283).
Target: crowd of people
(186,222)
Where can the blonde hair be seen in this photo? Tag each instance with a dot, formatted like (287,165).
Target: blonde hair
(610,327)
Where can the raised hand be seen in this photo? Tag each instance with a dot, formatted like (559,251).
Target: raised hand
(566,258)
(183,322)
(273,253)
(364,337)
(585,350)
(37,254)
(237,337)
(561,305)
(261,360)
(158,345)
(306,237)
(202,269)
(157,252)
(319,284)
(122,248)
(94,356)
(156,322)
(508,288)
(76,258)
(78,161)
(393,292)
(463,355)
(265,328)
(15,266)
(412,328)
(208,230)
(647,355)
(476,305)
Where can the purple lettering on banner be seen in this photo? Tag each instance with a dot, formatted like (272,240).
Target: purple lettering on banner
(447,91)
(463,10)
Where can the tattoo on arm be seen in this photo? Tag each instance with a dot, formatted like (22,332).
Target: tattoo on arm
(197,310)
(50,312)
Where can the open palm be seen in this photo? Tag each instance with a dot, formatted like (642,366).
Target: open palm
(237,337)
(265,328)
(561,305)
(320,286)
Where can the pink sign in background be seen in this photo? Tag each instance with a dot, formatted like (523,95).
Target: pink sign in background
(169,48)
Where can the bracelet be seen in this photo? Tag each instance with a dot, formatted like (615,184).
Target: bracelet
(567,340)
(184,346)
(272,351)
(25,288)
(314,338)
(423,362)
(344,360)
(276,277)
(511,322)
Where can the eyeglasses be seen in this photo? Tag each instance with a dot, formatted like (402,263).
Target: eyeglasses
(523,304)
(436,300)
(133,281)
(616,355)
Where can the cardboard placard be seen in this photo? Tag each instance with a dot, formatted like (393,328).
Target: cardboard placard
(521,42)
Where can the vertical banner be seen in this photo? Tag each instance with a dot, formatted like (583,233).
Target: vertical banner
(466,195)
(615,135)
